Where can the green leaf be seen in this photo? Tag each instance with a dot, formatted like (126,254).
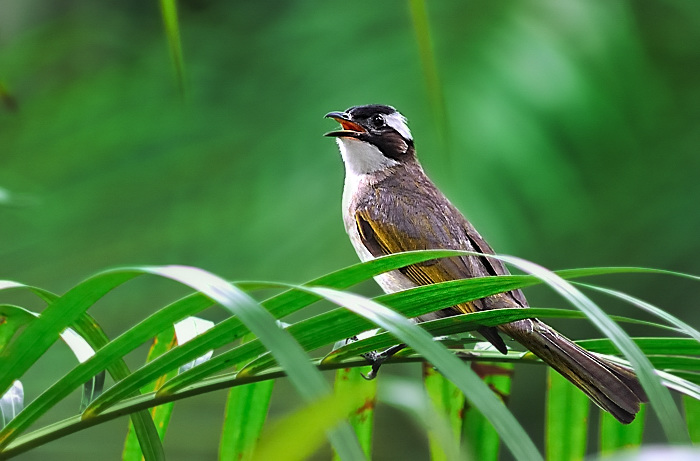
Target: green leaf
(678,381)
(475,390)
(73,424)
(615,436)
(87,329)
(300,434)
(448,401)
(230,329)
(417,301)
(567,419)
(41,333)
(479,435)
(671,319)
(692,417)
(246,411)
(421,27)
(659,397)
(168,10)
(226,331)
(691,377)
(42,294)
(467,322)
(160,414)
(11,319)
(307,380)
(335,325)
(411,398)
(348,380)
(281,305)
(10,103)
(34,340)
(648,345)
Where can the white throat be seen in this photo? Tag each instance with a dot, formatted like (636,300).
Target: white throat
(362,157)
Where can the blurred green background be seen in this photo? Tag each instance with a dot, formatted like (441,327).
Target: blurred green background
(569,137)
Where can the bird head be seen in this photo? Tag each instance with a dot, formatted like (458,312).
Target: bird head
(373,137)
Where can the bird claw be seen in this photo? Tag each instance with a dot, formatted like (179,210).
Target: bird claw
(376,359)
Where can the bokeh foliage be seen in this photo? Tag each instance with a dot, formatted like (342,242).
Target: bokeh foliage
(572,138)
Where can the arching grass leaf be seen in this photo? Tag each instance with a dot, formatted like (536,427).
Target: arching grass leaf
(659,398)
(475,390)
(160,414)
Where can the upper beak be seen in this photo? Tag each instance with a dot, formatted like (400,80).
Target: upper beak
(350,128)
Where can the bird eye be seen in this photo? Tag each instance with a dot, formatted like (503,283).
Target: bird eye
(378,121)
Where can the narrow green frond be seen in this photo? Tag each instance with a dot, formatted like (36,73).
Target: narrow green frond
(361,418)
(448,401)
(567,419)
(160,414)
(246,412)
(476,391)
(616,437)
(168,10)
(479,436)
(659,397)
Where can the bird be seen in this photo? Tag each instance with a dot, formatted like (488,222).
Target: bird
(389,205)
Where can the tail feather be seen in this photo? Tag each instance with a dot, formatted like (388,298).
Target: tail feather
(612,387)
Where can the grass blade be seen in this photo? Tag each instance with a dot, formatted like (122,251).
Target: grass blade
(671,319)
(168,10)
(307,380)
(467,322)
(226,331)
(246,411)
(448,401)
(421,27)
(479,435)
(12,318)
(476,391)
(21,353)
(361,418)
(616,437)
(567,419)
(692,417)
(8,101)
(160,414)
(230,329)
(42,294)
(244,418)
(88,331)
(650,346)
(285,441)
(411,398)
(659,397)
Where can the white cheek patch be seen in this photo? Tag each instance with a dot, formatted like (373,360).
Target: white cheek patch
(399,123)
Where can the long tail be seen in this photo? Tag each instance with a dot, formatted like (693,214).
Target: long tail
(612,387)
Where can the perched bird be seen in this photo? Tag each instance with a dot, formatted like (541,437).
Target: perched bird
(390,206)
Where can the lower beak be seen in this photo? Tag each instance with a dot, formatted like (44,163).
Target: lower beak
(350,128)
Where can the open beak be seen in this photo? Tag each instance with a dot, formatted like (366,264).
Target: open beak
(350,128)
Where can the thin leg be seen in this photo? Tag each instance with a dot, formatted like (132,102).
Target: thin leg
(376,359)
